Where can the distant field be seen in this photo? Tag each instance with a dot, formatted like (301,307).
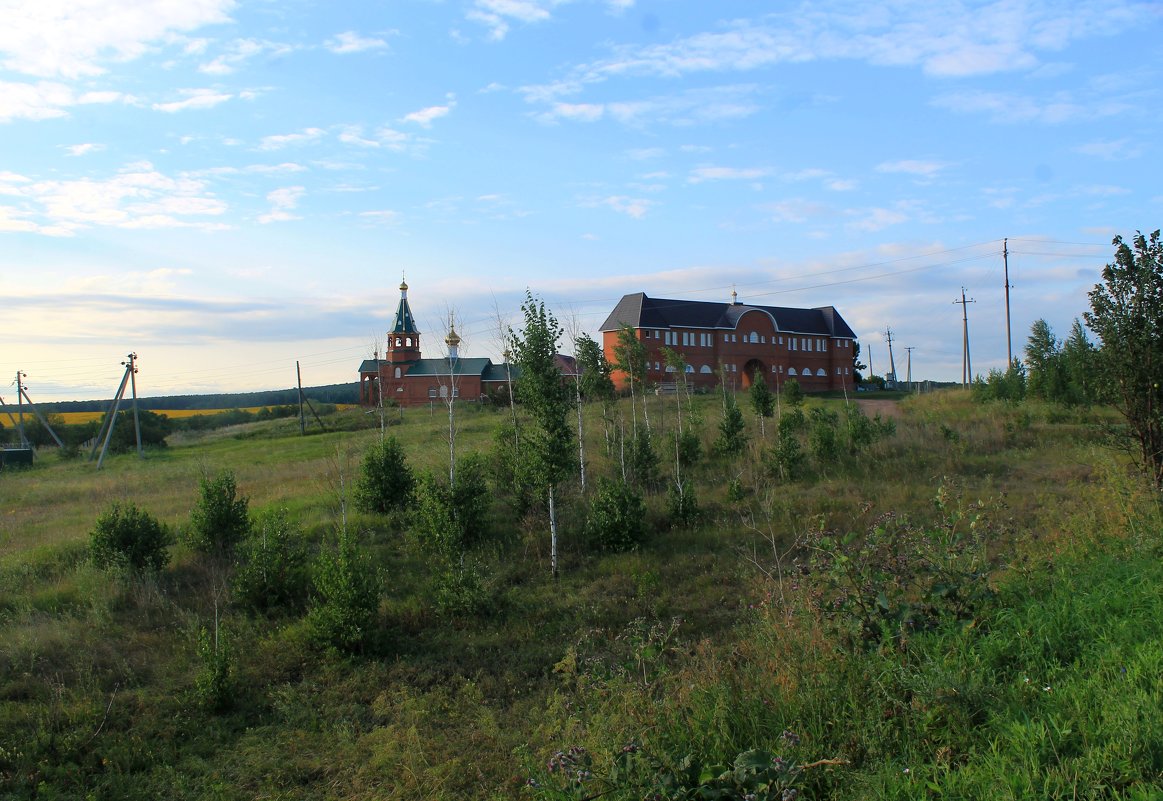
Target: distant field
(72,418)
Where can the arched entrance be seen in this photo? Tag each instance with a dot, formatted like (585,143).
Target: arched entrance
(750,370)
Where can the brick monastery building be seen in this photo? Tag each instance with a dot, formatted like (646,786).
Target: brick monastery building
(813,346)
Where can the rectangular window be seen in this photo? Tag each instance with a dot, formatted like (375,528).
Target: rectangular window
(432,392)
(733,338)
(823,345)
(726,338)
(808,342)
(781,340)
(791,343)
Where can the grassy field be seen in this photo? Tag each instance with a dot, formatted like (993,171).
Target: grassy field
(991,629)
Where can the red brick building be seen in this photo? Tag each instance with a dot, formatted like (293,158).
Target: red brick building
(407,379)
(813,346)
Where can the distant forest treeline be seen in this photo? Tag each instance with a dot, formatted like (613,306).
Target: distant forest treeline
(332,393)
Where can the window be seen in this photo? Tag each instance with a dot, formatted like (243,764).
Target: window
(781,340)
(733,339)
(670,368)
(688,369)
(726,337)
(823,345)
(821,372)
(837,371)
(774,369)
(443,391)
(808,345)
(432,392)
(791,343)
(762,340)
(397,372)
(791,371)
(753,338)
(656,366)
(704,370)
(669,338)
(734,368)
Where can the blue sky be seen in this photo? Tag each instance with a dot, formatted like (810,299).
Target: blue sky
(228,187)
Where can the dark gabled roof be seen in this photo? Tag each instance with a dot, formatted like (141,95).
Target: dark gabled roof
(404,323)
(475,366)
(641,311)
(370,366)
(497,372)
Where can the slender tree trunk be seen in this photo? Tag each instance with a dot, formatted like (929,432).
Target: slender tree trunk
(552,534)
(581,443)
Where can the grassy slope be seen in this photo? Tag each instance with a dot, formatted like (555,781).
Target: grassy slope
(96,679)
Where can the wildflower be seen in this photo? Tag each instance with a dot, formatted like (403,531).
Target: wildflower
(790,737)
(907,771)
(1046,689)
(790,794)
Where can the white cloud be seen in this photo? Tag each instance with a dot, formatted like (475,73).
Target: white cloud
(1061,107)
(701,174)
(425,116)
(80,150)
(194,99)
(630,206)
(797,210)
(876,219)
(497,14)
(582,112)
(305,137)
(922,169)
(352,42)
(138,196)
(1111,150)
(76,39)
(238,52)
(283,201)
(381,215)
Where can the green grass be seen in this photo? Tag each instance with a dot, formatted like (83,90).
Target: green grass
(97,677)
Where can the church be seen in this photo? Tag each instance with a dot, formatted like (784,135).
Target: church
(402,377)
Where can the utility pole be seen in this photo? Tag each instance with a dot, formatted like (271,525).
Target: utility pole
(299,382)
(131,367)
(22,392)
(20,409)
(891,363)
(909,367)
(966,363)
(1005,257)
(111,419)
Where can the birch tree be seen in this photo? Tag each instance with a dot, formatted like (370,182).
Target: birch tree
(548,400)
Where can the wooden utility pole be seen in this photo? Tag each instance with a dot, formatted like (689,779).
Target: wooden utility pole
(22,392)
(966,362)
(299,382)
(131,366)
(20,410)
(891,363)
(1005,258)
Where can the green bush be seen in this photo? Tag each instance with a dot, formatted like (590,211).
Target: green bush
(617,517)
(690,447)
(214,686)
(385,481)
(129,539)
(731,429)
(793,394)
(346,599)
(642,460)
(682,505)
(271,570)
(221,518)
(447,520)
(822,435)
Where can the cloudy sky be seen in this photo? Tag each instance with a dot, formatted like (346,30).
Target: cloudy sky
(226,187)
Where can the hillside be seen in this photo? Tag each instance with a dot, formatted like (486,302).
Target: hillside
(961,602)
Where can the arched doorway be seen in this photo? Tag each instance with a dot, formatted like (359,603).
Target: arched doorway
(750,369)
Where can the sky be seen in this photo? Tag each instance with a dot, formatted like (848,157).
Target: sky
(228,187)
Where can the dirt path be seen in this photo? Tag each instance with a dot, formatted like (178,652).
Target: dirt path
(885,408)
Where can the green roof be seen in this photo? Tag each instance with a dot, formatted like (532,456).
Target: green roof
(404,323)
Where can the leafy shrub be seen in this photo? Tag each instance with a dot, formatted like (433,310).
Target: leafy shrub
(690,447)
(385,481)
(129,539)
(512,477)
(447,520)
(1009,385)
(785,459)
(731,427)
(221,518)
(822,435)
(863,431)
(271,565)
(681,504)
(899,578)
(642,460)
(214,686)
(617,517)
(346,600)
(460,588)
(793,394)
(793,421)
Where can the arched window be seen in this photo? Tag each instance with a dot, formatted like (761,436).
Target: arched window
(408,341)
(688,369)
(443,391)
(705,370)
(754,338)
(670,368)
(821,372)
(791,371)
(397,372)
